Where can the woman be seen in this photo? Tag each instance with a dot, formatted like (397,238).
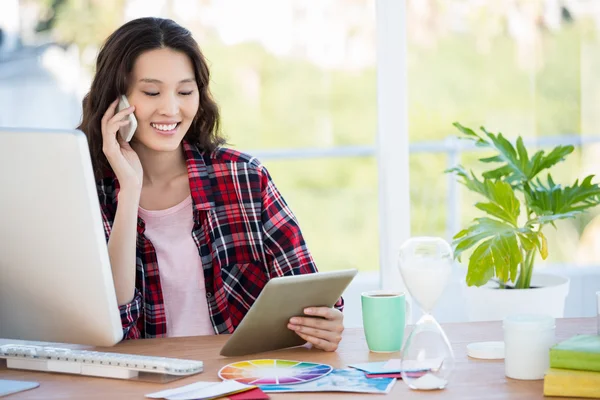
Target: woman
(194,230)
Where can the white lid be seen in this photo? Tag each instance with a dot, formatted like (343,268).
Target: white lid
(529,322)
(486,350)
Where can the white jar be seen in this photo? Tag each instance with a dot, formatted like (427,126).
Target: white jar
(527,342)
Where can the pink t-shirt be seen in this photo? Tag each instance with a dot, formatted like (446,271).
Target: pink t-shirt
(180,269)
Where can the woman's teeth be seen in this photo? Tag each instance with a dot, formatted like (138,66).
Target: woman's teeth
(161,127)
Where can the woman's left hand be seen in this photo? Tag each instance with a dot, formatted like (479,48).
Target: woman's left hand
(325,332)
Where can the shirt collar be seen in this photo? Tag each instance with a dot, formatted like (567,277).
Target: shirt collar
(200,187)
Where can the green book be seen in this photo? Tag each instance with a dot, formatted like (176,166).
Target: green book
(581,352)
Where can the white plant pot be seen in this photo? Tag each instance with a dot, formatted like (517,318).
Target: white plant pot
(488,303)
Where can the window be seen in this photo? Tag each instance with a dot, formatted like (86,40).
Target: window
(517,67)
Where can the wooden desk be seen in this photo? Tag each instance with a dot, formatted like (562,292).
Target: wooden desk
(472,379)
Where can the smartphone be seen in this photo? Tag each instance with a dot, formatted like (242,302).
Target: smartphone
(128,130)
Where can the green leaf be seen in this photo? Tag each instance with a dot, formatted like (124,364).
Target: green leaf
(498,173)
(496,211)
(543,245)
(458,170)
(471,238)
(481,265)
(491,159)
(516,167)
(504,204)
(499,255)
(523,156)
(470,181)
(531,240)
(547,219)
(535,164)
(539,163)
(481,229)
(528,238)
(496,250)
(551,202)
(467,131)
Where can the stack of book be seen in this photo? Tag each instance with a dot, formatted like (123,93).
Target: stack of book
(574,368)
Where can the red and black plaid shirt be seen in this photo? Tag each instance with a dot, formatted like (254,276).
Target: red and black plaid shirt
(245,233)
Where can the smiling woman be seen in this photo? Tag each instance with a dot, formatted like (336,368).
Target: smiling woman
(152,59)
(166,98)
(194,230)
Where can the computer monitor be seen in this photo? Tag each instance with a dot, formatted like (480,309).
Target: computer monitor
(56,282)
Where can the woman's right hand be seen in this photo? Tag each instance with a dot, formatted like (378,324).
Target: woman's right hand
(122,158)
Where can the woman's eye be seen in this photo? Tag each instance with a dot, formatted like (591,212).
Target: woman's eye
(151,93)
(186,93)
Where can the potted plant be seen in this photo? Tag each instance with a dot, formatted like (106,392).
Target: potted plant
(503,243)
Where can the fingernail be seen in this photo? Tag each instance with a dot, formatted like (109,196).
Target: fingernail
(309,311)
(294,320)
(292,327)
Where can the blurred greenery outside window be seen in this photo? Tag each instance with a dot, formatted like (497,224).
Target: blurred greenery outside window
(520,67)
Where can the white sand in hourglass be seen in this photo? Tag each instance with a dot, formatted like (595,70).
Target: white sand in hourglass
(427,280)
(425,264)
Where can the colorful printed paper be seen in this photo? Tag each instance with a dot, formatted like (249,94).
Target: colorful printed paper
(339,380)
(201,391)
(392,366)
(398,375)
(375,368)
(252,394)
(273,372)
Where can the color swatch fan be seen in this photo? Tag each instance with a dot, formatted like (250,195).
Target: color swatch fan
(273,372)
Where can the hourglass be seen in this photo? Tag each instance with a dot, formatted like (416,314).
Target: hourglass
(425,264)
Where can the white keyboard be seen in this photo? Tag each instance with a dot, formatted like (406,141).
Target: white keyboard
(94,363)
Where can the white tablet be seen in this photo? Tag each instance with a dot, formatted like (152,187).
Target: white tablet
(264,328)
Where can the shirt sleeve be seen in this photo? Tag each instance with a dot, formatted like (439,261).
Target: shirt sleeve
(105,224)
(130,314)
(286,250)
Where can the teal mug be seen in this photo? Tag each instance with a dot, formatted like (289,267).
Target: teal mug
(384,319)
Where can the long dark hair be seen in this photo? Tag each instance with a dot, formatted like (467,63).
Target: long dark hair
(113,70)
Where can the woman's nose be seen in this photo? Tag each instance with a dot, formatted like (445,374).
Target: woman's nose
(169,105)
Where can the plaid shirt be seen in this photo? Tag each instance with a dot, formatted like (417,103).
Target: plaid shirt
(245,234)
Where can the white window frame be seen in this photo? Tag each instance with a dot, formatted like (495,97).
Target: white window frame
(392,138)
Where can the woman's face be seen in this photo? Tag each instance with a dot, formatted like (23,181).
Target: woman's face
(165,94)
